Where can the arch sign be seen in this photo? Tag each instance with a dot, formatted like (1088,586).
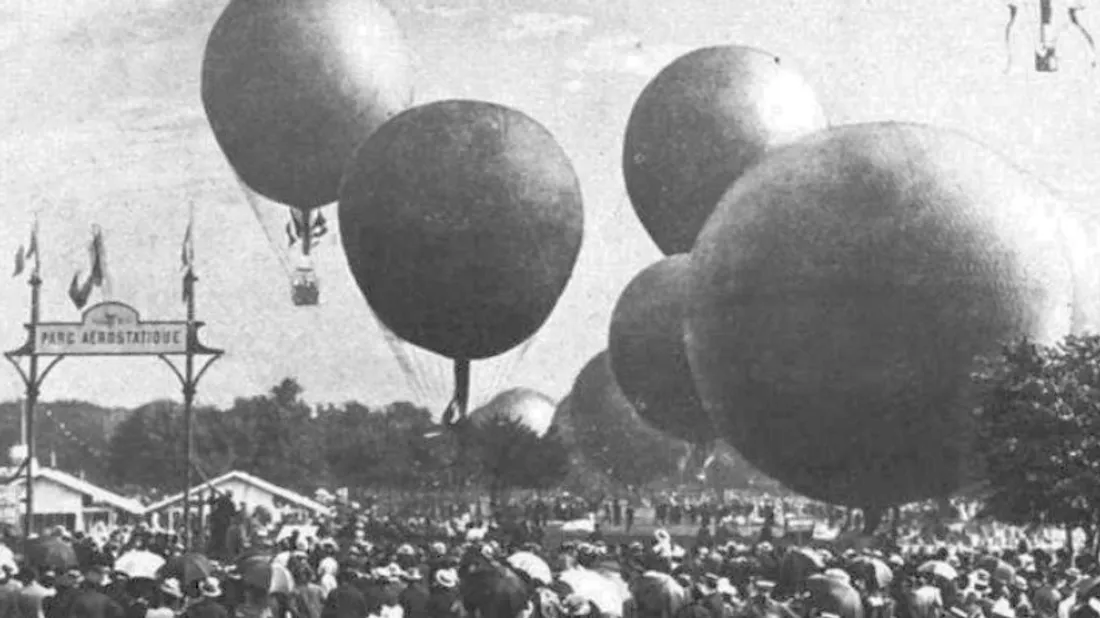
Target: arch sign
(111,328)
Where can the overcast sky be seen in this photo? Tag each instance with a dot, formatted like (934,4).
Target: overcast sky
(102,123)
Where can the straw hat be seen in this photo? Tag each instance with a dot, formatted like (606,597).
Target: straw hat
(210,588)
(446,578)
(171,587)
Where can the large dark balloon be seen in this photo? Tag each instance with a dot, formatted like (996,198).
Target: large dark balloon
(841,292)
(291,88)
(698,125)
(605,428)
(462,221)
(646,346)
(531,408)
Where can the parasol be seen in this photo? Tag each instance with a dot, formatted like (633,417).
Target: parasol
(139,564)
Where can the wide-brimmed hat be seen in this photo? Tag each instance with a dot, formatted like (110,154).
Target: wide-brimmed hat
(1002,609)
(576,605)
(725,587)
(171,587)
(210,588)
(446,578)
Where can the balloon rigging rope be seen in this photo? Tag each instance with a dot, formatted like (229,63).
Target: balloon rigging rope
(253,203)
(413,378)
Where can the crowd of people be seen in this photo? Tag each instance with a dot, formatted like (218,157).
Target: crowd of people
(465,564)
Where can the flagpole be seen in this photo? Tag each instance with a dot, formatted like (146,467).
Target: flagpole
(32,381)
(189,279)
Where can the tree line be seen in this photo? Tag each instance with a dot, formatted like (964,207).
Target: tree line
(281,438)
(1037,435)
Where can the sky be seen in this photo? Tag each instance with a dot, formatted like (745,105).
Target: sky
(101,123)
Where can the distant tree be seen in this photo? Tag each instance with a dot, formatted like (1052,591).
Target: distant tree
(75,433)
(1039,434)
(275,436)
(386,448)
(550,462)
(619,445)
(147,448)
(511,456)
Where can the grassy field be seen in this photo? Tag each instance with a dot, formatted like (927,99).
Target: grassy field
(684,534)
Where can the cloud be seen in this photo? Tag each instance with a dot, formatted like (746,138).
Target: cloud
(574,85)
(544,25)
(444,12)
(625,53)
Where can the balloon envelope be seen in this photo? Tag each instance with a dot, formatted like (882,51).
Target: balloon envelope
(841,292)
(461,222)
(290,89)
(607,431)
(699,124)
(532,408)
(646,347)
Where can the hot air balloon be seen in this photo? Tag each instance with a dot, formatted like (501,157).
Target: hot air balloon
(608,432)
(646,348)
(290,90)
(841,292)
(532,408)
(1046,52)
(698,125)
(461,222)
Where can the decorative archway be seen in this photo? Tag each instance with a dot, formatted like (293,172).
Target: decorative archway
(111,328)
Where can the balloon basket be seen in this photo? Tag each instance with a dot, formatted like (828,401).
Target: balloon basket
(1046,61)
(304,288)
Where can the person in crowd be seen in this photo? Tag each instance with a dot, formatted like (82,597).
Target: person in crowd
(168,602)
(308,597)
(37,587)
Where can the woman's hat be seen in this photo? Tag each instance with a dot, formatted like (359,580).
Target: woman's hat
(446,578)
(210,588)
(171,587)
(576,605)
(726,588)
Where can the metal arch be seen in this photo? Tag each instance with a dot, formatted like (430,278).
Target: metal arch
(210,358)
(22,374)
(172,366)
(209,361)
(45,372)
(41,378)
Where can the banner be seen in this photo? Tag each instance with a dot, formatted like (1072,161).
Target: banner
(110,328)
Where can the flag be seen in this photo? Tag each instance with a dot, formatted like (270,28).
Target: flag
(79,292)
(32,247)
(27,252)
(187,250)
(20,261)
(97,255)
(290,237)
(187,256)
